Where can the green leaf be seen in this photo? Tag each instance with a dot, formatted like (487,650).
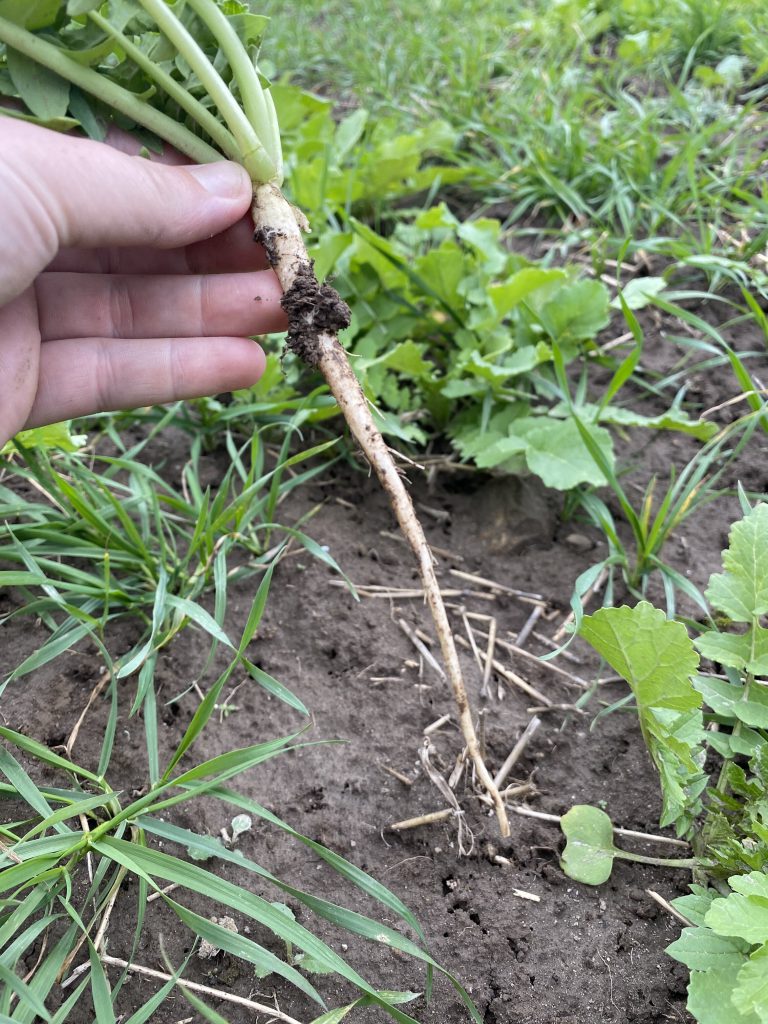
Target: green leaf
(654,654)
(31,14)
(101,992)
(709,998)
(657,658)
(338,1015)
(674,419)
(510,294)
(311,964)
(745,652)
(741,592)
(577,312)
(45,93)
(12,983)
(640,292)
(243,948)
(77,7)
(750,996)
(727,699)
(55,436)
(744,917)
(589,850)
(695,904)
(700,949)
(556,452)
(151,864)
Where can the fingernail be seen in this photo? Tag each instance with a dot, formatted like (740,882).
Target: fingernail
(223,178)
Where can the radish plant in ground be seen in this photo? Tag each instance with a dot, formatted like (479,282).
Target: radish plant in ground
(685,714)
(187,74)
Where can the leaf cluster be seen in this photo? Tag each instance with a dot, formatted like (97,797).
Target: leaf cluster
(456,335)
(725,949)
(726,819)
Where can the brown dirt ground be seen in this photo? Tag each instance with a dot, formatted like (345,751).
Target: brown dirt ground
(577,955)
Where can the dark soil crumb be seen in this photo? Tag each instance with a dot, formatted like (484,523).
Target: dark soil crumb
(312,309)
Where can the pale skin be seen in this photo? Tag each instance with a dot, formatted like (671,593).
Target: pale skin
(124,281)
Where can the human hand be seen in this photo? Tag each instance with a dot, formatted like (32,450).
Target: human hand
(123,281)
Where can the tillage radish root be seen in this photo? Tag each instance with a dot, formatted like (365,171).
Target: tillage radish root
(316,314)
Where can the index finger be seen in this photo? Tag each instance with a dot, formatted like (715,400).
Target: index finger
(231,252)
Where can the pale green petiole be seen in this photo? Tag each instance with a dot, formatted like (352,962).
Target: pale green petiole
(257,102)
(250,136)
(217,131)
(92,82)
(253,154)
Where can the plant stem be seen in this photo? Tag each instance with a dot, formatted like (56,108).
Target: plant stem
(259,111)
(664,862)
(253,155)
(314,317)
(122,100)
(217,131)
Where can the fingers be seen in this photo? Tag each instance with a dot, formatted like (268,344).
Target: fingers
(86,375)
(19,351)
(232,251)
(133,306)
(61,191)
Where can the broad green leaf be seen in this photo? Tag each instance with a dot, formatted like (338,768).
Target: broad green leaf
(748,651)
(753,884)
(750,996)
(78,7)
(695,904)
(589,850)
(710,998)
(443,269)
(617,415)
(349,132)
(56,436)
(742,590)
(556,452)
(31,14)
(700,949)
(577,312)
(510,294)
(657,658)
(745,917)
(727,699)
(640,292)
(654,654)
(407,358)
(499,451)
(45,93)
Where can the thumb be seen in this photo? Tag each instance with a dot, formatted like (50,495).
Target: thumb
(58,191)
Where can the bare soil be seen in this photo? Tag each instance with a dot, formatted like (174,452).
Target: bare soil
(531,946)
